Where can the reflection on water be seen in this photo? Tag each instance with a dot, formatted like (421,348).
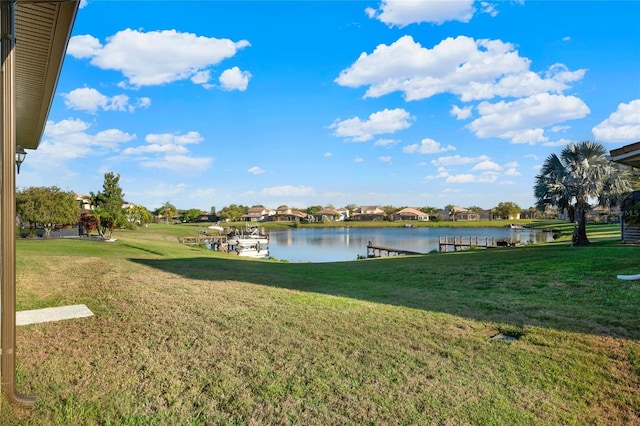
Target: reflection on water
(341,244)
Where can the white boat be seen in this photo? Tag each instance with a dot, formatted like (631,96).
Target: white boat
(252,250)
(216,227)
(249,243)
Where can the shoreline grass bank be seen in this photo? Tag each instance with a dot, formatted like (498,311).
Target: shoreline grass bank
(187,336)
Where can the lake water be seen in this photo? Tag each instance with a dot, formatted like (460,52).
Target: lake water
(343,244)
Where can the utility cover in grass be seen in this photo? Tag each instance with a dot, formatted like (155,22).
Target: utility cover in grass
(501,336)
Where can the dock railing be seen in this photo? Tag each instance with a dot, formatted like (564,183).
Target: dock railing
(444,243)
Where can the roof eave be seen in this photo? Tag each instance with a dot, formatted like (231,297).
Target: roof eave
(628,155)
(43,29)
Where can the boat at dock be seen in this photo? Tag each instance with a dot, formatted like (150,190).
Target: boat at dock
(249,242)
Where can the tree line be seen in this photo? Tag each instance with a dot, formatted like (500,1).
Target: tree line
(506,209)
(581,174)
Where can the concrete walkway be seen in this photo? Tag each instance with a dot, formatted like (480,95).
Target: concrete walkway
(629,277)
(37,316)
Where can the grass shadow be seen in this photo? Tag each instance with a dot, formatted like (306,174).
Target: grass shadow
(556,286)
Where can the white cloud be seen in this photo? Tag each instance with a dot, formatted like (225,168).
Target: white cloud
(179,163)
(522,120)
(255,170)
(90,100)
(486,165)
(202,77)
(155,57)
(69,142)
(385,142)
(623,125)
(442,173)
(234,79)
(328,154)
(470,69)
(288,191)
(427,146)
(457,160)
(165,143)
(156,149)
(191,137)
(85,100)
(168,151)
(560,142)
(382,122)
(84,46)
(65,127)
(461,113)
(358,160)
(401,13)
(385,159)
(68,139)
(470,178)
(489,9)
(153,194)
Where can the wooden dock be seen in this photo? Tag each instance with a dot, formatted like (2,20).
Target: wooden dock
(215,242)
(445,243)
(380,251)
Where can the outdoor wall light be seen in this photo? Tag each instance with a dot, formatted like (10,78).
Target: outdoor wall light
(20,155)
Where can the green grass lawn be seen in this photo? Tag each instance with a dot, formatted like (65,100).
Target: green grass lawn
(182,335)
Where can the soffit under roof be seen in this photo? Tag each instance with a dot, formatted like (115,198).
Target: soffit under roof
(628,154)
(43,29)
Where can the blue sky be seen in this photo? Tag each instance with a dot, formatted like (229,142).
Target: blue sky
(404,103)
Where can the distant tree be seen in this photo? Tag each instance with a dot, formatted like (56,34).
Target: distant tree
(581,172)
(167,211)
(506,209)
(139,215)
(312,209)
(475,209)
(234,212)
(109,205)
(47,207)
(191,215)
(389,211)
(431,211)
(350,208)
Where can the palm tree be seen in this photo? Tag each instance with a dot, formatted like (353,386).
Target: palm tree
(167,210)
(581,172)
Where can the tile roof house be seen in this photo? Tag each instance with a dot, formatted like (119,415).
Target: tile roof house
(367,213)
(459,213)
(328,215)
(258,214)
(286,214)
(411,213)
